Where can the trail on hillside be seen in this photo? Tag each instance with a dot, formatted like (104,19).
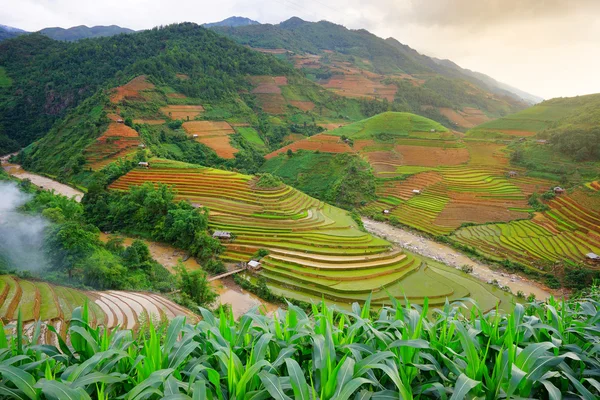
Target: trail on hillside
(447,255)
(41,181)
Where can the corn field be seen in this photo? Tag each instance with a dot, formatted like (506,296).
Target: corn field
(539,351)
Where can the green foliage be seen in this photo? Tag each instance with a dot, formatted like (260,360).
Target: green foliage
(194,289)
(536,204)
(268,181)
(345,180)
(539,350)
(151,212)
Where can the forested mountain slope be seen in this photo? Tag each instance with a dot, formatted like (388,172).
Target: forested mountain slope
(47,77)
(356,63)
(83,32)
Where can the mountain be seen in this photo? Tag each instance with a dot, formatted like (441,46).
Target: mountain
(8,32)
(356,63)
(493,84)
(46,78)
(182,91)
(571,125)
(232,22)
(83,32)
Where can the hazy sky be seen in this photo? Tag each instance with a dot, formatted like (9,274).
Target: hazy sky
(549,48)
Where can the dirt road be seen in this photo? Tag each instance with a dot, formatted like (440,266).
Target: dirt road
(447,255)
(40,181)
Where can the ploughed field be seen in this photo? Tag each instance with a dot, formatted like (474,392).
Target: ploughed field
(37,300)
(315,249)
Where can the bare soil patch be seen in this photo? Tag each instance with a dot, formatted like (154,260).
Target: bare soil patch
(183,112)
(303,105)
(322,142)
(432,156)
(214,134)
(131,90)
(149,121)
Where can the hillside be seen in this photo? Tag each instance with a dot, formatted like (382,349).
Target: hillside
(356,63)
(313,249)
(83,32)
(570,124)
(47,77)
(437,181)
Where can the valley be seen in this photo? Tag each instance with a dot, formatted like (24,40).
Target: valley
(247,210)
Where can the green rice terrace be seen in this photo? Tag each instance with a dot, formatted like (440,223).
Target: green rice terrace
(314,249)
(37,300)
(568,231)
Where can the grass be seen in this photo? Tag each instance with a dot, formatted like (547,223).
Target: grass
(390,123)
(250,135)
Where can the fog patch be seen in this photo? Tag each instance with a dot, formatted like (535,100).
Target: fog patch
(21,235)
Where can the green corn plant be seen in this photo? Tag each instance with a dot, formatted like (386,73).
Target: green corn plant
(400,351)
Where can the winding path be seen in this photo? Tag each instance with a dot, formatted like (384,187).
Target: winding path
(447,255)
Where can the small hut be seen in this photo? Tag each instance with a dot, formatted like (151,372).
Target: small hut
(558,190)
(144,164)
(194,135)
(432,131)
(142,146)
(541,141)
(512,174)
(386,211)
(593,257)
(416,191)
(254,265)
(222,235)
(120,121)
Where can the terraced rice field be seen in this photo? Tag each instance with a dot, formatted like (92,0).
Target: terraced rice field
(450,196)
(182,112)
(118,141)
(38,300)
(321,142)
(214,134)
(314,249)
(566,232)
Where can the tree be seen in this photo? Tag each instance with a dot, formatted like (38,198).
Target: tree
(195,286)
(289,153)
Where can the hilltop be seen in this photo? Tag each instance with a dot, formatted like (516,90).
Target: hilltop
(356,63)
(83,32)
(233,22)
(8,32)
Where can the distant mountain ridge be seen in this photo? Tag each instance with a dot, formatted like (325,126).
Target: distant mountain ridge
(232,22)
(83,32)
(386,55)
(8,32)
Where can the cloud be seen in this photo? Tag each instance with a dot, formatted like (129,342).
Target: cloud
(21,235)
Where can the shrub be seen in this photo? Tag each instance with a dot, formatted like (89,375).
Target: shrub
(268,181)
(467,269)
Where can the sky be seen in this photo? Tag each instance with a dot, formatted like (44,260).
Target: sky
(549,48)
